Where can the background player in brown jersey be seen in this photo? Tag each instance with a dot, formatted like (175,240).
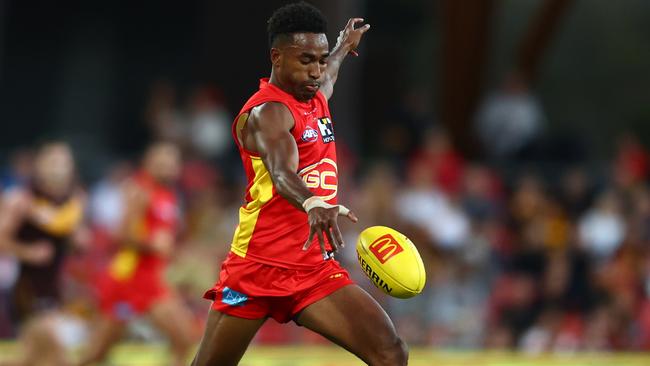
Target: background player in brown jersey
(37,225)
(303,68)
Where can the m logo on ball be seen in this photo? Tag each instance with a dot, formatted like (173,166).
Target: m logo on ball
(385,247)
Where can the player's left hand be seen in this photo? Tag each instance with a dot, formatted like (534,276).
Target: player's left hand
(323,219)
(350,37)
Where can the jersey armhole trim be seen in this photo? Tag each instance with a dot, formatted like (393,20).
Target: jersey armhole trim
(242,119)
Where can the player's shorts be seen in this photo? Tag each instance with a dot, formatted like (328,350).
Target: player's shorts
(122,299)
(252,290)
(26,304)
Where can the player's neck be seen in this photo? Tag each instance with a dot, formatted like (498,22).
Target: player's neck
(276,81)
(53,191)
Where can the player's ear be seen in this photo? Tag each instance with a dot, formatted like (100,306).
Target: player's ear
(276,55)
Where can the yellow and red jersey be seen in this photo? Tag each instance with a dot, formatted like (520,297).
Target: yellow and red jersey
(161,213)
(271,230)
(135,281)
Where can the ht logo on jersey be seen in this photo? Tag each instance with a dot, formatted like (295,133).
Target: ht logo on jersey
(326,129)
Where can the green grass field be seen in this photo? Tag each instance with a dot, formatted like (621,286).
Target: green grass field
(154,355)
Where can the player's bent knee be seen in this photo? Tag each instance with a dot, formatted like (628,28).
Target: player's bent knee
(403,352)
(395,353)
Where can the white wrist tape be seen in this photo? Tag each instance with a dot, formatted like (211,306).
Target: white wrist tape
(315,201)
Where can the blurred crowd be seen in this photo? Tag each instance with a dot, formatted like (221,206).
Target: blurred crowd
(532,260)
(539,261)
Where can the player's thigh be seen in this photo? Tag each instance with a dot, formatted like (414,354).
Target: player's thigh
(106,332)
(225,339)
(41,341)
(351,318)
(173,318)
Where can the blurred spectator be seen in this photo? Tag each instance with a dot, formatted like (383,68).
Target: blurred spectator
(644,311)
(375,199)
(421,203)
(162,115)
(599,329)
(539,338)
(639,220)
(482,193)
(19,169)
(106,198)
(631,162)
(602,228)
(509,119)
(197,175)
(575,192)
(457,294)
(16,174)
(9,268)
(527,200)
(201,129)
(514,308)
(401,133)
(209,123)
(446,165)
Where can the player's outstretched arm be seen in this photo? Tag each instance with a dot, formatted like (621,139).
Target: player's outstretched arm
(347,42)
(269,126)
(81,238)
(14,208)
(267,133)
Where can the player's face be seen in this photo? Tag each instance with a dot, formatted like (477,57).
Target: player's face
(301,64)
(54,168)
(164,163)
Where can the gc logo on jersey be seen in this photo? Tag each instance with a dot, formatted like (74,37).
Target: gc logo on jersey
(321,178)
(326,129)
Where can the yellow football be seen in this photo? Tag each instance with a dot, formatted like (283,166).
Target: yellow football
(391,261)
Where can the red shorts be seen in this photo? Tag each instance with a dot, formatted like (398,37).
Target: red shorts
(253,290)
(122,299)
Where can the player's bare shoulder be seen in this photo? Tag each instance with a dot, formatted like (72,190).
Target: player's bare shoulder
(270,115)
(267,119)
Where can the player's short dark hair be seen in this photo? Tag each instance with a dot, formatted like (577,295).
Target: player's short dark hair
(298,17)
(44,143)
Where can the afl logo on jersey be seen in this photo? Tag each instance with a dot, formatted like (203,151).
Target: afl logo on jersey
(309,135)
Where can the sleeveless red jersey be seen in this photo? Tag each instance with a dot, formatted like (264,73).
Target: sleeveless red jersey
(271,230)
(162,211)
(161,214)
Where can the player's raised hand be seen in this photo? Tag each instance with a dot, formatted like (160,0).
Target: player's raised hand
(322,218)
(350,36)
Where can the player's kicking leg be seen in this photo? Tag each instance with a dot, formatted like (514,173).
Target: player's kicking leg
(352,319)
(108,333)
(174,320)
(225,339)
(349,317)
(41,345)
